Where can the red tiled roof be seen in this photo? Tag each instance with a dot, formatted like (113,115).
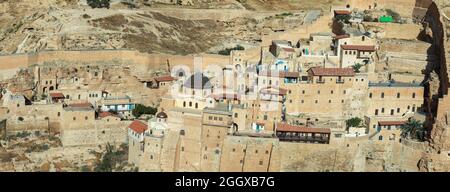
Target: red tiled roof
(320,71)
(138,126)
(81,105)
(292,128)
(342,36)
(164,78)
(289,49)
(359,47)
(105,114)
(342,12)
(57,95)
(387,123)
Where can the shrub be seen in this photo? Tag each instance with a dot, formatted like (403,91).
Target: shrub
(353,122)
(227,51)
(343,18)
(142,109)
(23,134)
(394,15)
(98,3)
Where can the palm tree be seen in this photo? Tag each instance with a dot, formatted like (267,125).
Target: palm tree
(413,129)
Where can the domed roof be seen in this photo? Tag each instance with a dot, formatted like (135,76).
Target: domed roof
(198,81)
(161,115)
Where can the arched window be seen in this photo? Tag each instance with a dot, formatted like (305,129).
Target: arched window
(196,105)
(190,103)
(382,95)
(414,95)
(398,95)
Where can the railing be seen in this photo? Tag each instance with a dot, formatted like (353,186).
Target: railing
(303,138)
(339,81)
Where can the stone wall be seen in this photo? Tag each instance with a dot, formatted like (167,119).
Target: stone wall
(140,62)
(396,30)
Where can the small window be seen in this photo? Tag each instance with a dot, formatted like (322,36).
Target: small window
(316,101)
(74,118)
(398,110)
(398,95)
(85,118)
(382,110)
(261,162)
(235,115)
(329,101)
(370,95)
(256,151)
(382,95)
(414,95)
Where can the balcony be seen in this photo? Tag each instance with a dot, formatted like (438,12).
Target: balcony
(340,81)
(307,139)
(320,81)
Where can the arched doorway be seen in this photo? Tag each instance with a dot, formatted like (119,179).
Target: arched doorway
(44,90)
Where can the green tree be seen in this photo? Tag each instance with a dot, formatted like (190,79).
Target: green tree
(353,122)
(140,109)
(356,67)
(413,129)
(343,18)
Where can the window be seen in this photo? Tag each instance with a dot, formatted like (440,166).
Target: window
(74,118)
(261,162)
(318,92)
(215,118)
(303,101)
(342,101)
(331,91)
(265,117)
(85,118)
(220,118)
(182,148)
(398,95)
(267,152)
(382,95)
(398,110)
(210,117)
(196,105)
(329,101)
(380,138)
(316,101)
(376,111)
(151,156)
(392,111)
(345,92)
(382,110)
(190,103)
(234,150)
(370,95)
(414,95)
(290,101)
(59,114)
(303,91)
(235,115)
(256,151)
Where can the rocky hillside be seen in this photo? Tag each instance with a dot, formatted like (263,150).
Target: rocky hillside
(36,25)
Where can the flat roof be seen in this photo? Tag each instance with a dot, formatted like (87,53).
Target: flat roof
(394,84)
